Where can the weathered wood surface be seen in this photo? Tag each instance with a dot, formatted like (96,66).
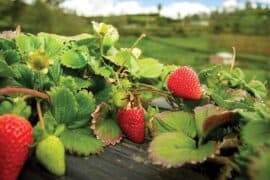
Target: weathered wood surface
(125,161)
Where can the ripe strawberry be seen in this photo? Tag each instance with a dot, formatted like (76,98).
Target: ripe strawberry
(15,135)
(184,82)
(132,123)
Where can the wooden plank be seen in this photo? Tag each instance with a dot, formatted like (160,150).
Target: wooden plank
(125,161)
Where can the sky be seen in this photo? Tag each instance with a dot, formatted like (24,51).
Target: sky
(170,8)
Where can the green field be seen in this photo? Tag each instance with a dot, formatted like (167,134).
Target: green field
(157,47)
(191,50)
(194,51)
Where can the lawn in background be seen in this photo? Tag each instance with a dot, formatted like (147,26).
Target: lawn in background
(194,51)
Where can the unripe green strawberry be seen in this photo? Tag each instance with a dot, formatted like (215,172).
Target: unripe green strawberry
(51,154)
(119,99)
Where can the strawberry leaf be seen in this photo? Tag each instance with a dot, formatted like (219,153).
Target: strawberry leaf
(125,58)
(68,82)
(72,108)
(81,142)
(174,149)
(209,117)
(149,68)
(64,105)
(257,88)
(86,103)
(55,72)
(27,43)
(75,59)
(104,127)
(52,46)
(11,56)
(173,122)
(256,133)
(105,71)
(5,69)
(259,166)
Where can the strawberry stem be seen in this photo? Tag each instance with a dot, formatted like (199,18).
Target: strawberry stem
(126,58)
(234,56)
(40,115)
(11,90)
(146,87)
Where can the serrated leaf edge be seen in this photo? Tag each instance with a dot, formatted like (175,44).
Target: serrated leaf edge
(157,161)
(95,119)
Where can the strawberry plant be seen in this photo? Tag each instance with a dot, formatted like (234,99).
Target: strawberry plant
(83,93)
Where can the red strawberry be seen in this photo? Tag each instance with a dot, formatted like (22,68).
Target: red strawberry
(132,123)
(15,135)
(184,82)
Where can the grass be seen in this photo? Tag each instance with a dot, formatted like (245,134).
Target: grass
(174,50)
(247,44)
(193,51)
(169,54)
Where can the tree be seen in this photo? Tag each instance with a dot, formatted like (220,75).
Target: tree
(54,3)
(248,5)
(159,8)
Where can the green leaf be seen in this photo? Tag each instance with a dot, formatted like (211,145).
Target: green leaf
(132,66)
(105,71)
(55,72)
(231,98)
(149,68)
(52,47)
(261,112)
(209,117)
(64,105)
(82,83)
(86,102)
(27,43)
(257,88)
(25,75)
(74,59)
(209,74)
(105,127)
(168,121)
(11,56)
(105,94)
(68,82)
(50,126)
(256,133)
(259,166)
(236,77)
(120,57)
(174,149)
(81,142)
(5,70)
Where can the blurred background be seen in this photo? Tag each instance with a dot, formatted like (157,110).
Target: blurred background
(181,32)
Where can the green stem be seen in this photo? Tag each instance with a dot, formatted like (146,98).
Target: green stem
(126,58)
(137,41)
(153,88)
(12,90)
(40,115)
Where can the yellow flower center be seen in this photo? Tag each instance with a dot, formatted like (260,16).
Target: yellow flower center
(38,61)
